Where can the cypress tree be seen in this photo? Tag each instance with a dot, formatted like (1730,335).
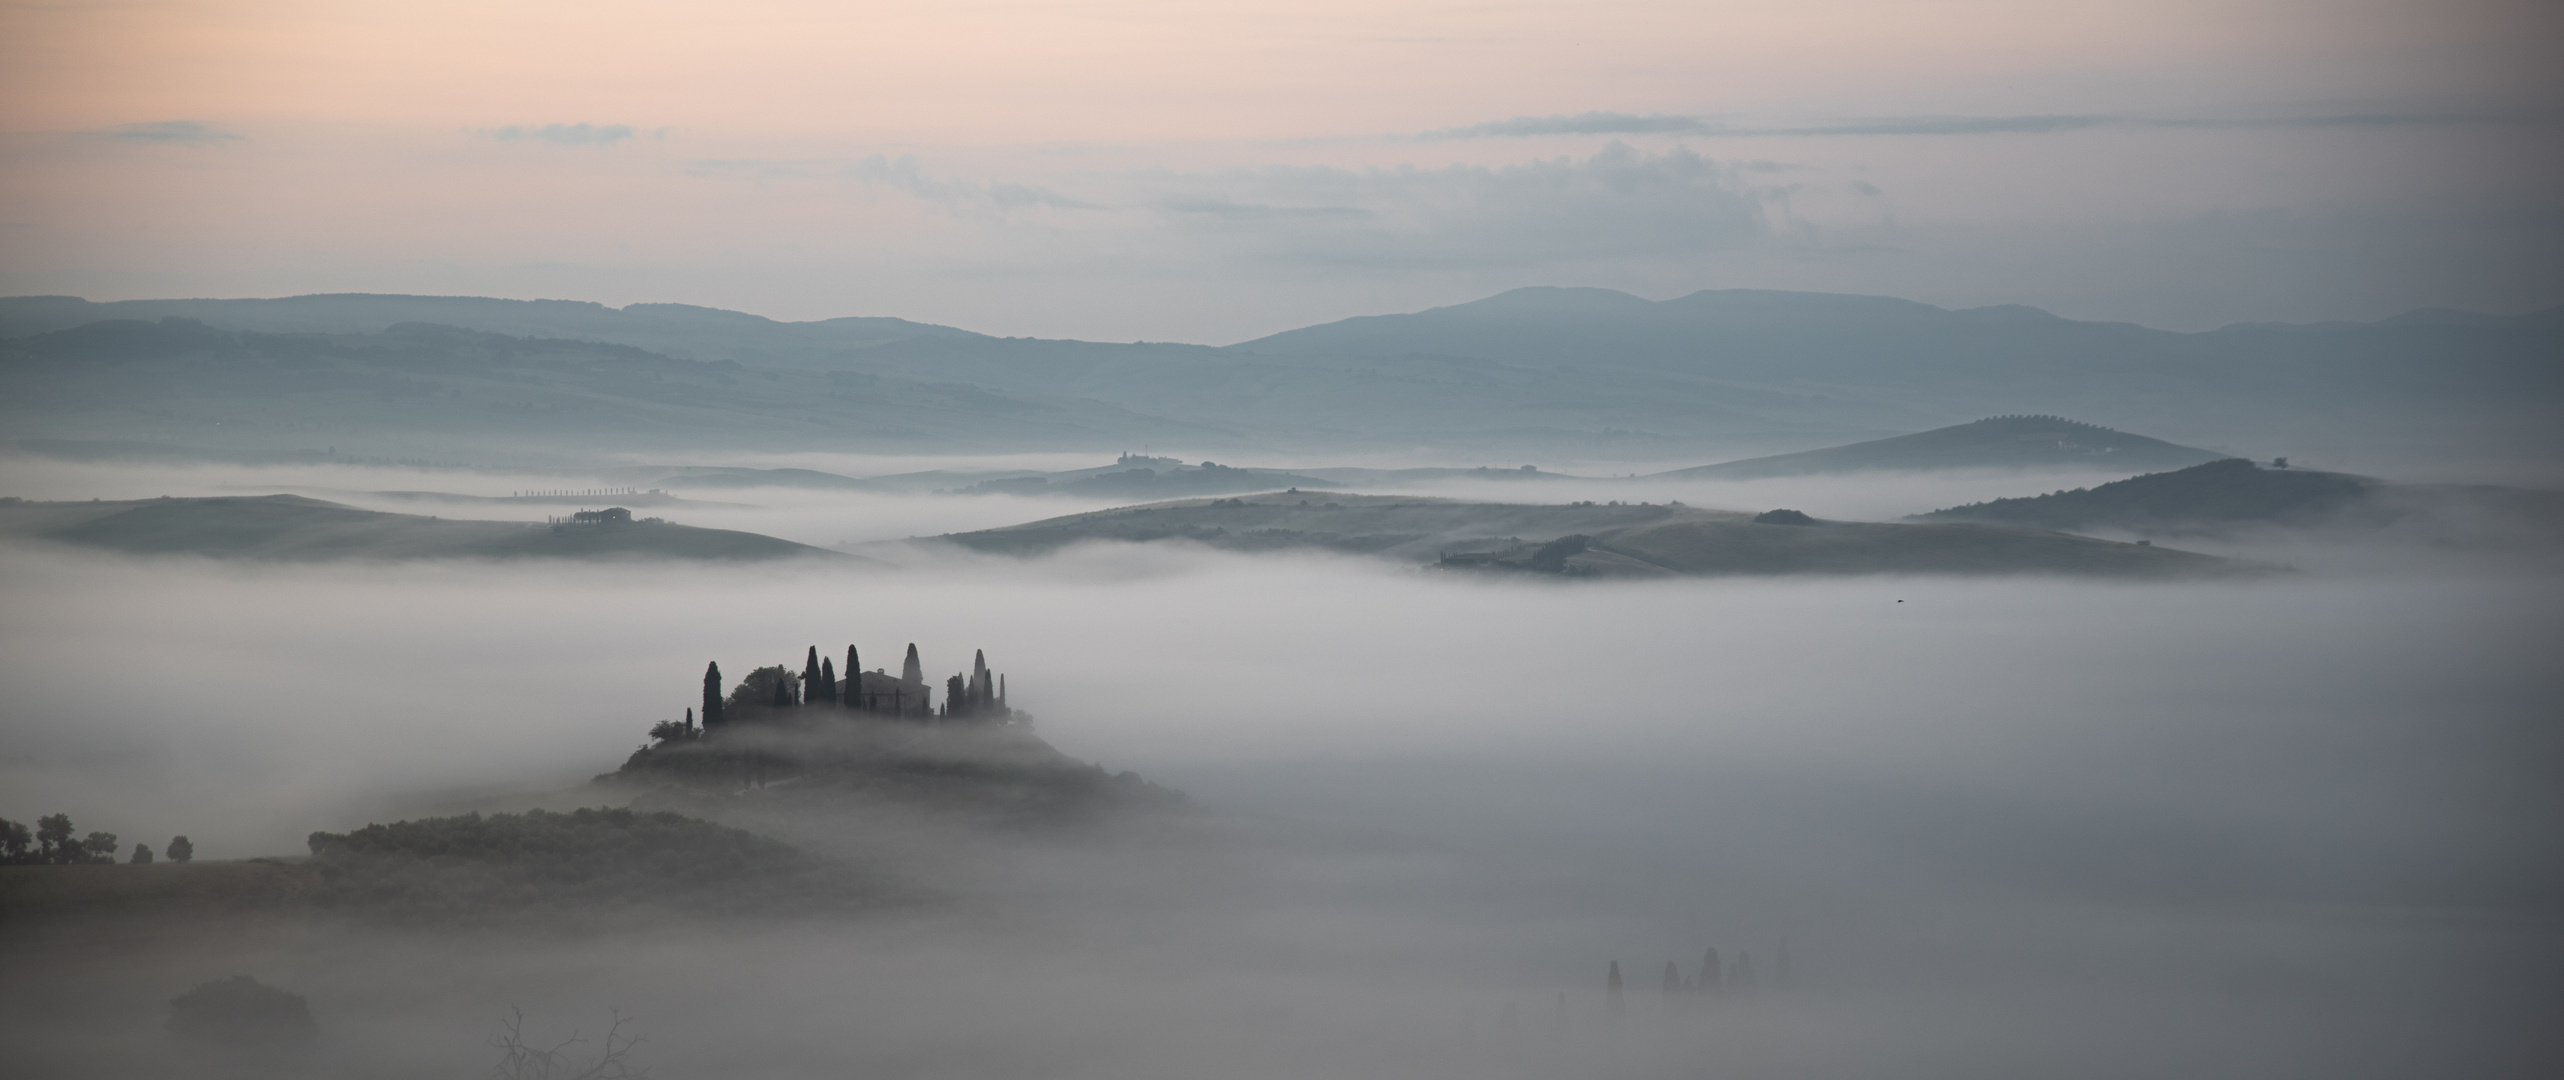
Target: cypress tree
(1709,974)
(912,671)
(828,680)
(854,680)
(1673,979)
(689,721)
(712,696)
(783,691)
(810,677)
(955,698)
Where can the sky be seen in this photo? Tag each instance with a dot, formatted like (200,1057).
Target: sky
(1213,172)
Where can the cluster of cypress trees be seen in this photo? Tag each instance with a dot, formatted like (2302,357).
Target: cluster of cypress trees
(978,695)
(1714,978)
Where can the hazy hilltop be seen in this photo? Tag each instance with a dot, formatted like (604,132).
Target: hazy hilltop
(294,528)
(1996,442)
(1587,371)
(1899,364)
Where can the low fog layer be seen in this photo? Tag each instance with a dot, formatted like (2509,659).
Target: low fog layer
(2007,828)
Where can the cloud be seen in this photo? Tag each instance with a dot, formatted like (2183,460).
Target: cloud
(565,134)
(178,132)
(1602,123)
(908,174)
(1588,123)
(1618,202)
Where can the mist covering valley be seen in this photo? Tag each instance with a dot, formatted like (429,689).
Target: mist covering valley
(1402,819)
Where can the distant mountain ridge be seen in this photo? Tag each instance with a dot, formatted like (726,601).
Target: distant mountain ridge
(1588,372)
(1994,442)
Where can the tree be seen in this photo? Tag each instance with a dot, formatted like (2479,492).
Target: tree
(98,847)
(522,1060)
(955,698)
(810,678)
(1709,974)
(827,680)
(767,687)
(53,839)
(911,671)
(1673,979)
(669,731)
(180,850)
(854,680)
(1611,988)
(16,843)
(142,853)
(711,696)
(1552,556)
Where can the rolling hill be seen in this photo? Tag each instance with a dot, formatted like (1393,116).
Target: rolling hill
(1621,540)
(2234,496)
(1996,442)
(293,528)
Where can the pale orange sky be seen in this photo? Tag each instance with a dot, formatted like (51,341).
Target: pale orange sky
(1212,171)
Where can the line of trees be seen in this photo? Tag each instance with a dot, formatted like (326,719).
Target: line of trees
(55,841)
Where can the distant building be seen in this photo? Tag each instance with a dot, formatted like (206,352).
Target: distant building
(614,515)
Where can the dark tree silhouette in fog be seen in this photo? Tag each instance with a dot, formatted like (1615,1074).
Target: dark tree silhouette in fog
(1673,979)
(16,843)
(712,696)
(142,854)
(811,693)
(181,849)
(827,685)
(1710,977)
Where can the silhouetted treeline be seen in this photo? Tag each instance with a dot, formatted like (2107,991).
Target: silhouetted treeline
(56,841)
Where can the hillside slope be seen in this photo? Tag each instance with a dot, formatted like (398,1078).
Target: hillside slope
(1995,442)
(293,528)
(2219,494)
(1622,540)
(1397,526)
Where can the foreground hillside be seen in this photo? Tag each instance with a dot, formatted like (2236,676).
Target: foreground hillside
(1997,442)
(1587,539)
(290,527)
